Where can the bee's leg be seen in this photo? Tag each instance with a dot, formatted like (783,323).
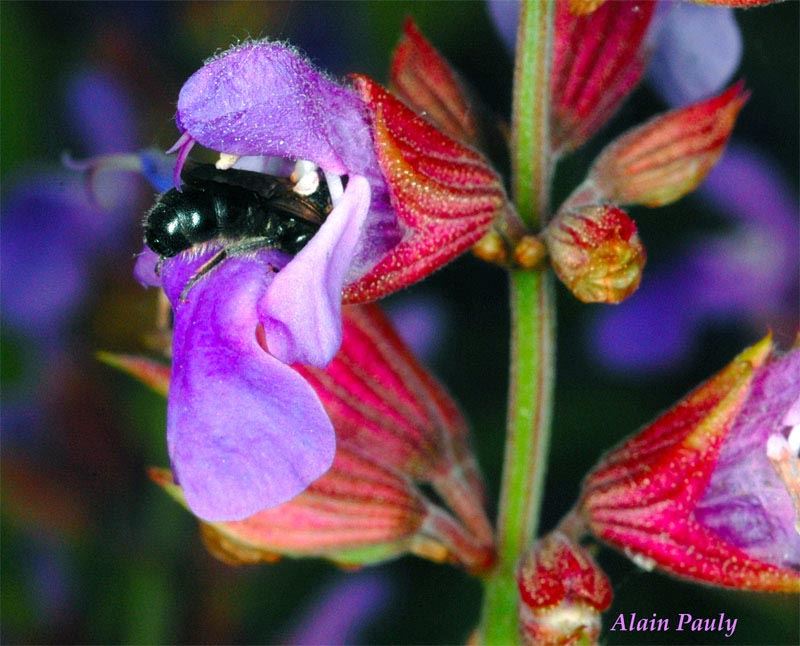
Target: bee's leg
(251,245)
(248,246)
(238,249)
(203,271)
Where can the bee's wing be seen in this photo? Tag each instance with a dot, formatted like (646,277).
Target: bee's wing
(276,191)
(266,186)
(296,206)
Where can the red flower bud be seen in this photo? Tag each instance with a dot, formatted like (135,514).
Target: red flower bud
(596,252)
(597,61)
(667,157)
(562,593)
(697,493)
(426,82)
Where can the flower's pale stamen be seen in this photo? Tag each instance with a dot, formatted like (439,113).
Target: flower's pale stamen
(302,167)
(226,161)
(792,420)
(783,454)
(305,177)
(308,184)
(335,187)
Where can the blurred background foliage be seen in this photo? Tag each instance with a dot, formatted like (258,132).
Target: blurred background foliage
(93,552)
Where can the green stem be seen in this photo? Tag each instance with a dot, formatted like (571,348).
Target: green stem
(527,441)
(532,371)
(530,118)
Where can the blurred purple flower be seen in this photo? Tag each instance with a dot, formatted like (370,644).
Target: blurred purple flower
(421,321)
(342,610)
(748,274)
(52,212)
(505,16)
(698,49)
(100,112)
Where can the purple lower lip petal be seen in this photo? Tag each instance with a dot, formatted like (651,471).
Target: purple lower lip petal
(245,431)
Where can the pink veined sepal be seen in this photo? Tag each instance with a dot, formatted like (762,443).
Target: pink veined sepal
(425,81)
(445,194)
(662,160)
(598,59)
(643,496)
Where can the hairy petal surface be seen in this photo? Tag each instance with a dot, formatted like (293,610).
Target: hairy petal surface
(244,430)
(264,98)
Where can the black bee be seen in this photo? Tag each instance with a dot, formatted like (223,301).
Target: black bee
(242,210)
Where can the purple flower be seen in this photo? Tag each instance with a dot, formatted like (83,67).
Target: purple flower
(237,444)
(746,501)
(421,321)
(340,612)
(50,210)
(698,50)
(245,431)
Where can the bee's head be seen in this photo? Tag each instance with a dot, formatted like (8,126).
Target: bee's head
(179,220)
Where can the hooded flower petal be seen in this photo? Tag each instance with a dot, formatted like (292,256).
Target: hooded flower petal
(245,431)
(304,324)
(694,493)
(265,99)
